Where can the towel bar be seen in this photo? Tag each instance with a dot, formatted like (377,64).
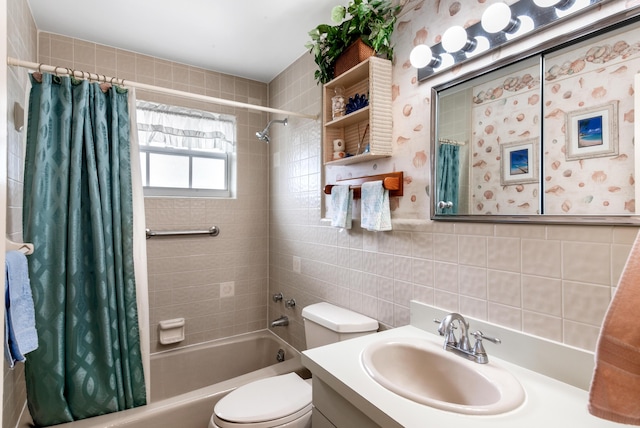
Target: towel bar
(19,246)
(392,181)
(212,231)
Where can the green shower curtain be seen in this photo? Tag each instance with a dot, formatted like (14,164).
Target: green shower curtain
(78,214)
(448,174)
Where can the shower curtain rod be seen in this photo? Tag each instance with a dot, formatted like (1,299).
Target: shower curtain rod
(122,82)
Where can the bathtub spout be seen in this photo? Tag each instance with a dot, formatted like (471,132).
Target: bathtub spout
(283,321)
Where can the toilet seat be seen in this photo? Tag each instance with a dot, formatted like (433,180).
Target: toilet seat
(265,403)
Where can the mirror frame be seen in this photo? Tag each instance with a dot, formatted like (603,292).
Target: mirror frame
(621,19)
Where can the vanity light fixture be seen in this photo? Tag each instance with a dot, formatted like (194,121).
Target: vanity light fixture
(422,56)
(498,17)
(500,23)
(455,39)
(558,4)
(572,7)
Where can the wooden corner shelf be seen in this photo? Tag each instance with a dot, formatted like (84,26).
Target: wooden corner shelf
(369,126)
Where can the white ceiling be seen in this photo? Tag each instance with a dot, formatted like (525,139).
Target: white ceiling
(256,39)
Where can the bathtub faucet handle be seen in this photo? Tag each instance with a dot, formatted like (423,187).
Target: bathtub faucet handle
(278,297)
(290,303)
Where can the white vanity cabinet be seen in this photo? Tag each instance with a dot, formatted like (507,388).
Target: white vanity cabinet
(332,410)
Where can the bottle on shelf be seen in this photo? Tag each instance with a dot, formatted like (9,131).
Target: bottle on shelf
(337,103)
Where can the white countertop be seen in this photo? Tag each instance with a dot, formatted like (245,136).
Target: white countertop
(549,403)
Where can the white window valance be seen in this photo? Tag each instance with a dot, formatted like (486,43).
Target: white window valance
(174,127)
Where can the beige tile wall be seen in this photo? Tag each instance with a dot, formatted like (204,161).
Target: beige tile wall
(551,281)
(185,273)
(21,44)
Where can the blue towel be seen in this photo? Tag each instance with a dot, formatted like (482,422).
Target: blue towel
(341,202)
(19,316)
(375,212)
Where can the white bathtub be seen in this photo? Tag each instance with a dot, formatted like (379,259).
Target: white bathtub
(186,383)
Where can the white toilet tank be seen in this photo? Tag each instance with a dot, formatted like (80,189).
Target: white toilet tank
(325,323)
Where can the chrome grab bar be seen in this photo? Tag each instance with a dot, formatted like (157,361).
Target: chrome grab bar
(212,231)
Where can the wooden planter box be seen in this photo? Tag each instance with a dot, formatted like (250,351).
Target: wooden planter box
(352,56)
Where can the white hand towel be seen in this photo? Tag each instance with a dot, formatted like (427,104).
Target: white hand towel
(341,201)
(375,211)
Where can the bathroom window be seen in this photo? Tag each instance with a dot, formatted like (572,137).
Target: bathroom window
(185,152)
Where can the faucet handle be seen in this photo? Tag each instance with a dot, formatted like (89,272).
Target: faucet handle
(447,331)
(478,349)
(480,336)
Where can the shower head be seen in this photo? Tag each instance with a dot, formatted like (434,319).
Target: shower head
(264,135)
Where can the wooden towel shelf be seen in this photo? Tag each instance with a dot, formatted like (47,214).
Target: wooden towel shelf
(392,181)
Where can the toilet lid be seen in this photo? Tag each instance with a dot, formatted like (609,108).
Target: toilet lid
(264,400)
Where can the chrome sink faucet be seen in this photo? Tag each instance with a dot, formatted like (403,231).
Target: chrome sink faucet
(461,346)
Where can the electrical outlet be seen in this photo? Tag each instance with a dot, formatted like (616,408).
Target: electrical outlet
(296,264)
(227,289)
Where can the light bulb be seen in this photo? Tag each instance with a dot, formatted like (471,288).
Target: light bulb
(455,39)
(498,17)
(482,45)
(560,4)
(446,62)
(526,25)
(421,56)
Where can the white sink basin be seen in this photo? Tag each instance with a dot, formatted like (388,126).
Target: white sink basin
(423,372)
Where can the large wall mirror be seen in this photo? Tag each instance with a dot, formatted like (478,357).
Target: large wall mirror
(549,137)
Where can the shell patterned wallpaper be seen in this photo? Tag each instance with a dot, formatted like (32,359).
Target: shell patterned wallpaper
(595,76)
(505,111)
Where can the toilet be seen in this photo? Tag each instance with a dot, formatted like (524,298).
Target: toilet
(285,400)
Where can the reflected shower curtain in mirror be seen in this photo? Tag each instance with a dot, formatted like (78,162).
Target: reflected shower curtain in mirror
(448,174)
(78,214)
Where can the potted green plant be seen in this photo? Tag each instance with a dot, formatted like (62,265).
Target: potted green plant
(372,22)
